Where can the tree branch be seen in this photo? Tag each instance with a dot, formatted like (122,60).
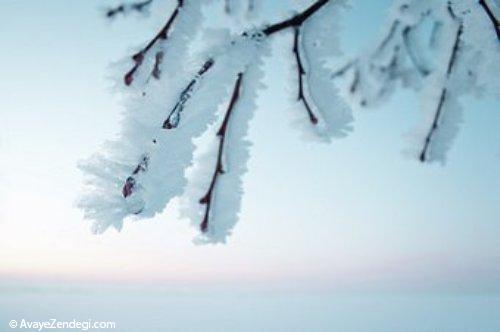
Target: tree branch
(174,116)
(300,74)
(138,57)
(491,16)
(219,168)
(383,44)
(444,93)
(296,20)
(142,166)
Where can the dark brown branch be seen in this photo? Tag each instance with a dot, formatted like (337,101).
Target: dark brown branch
(138,57)
(491,16)
(444,93)
(174,116)
(126,8)
(296,20)
(300,74)
(219,168)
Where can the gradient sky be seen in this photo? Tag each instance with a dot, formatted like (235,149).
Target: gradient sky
(353,214)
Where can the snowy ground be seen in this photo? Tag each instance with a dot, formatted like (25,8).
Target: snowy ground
(255,311)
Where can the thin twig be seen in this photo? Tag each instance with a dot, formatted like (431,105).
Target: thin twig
(142,166)
(219,168)
(491,16)
(444,93)
(296,20)
(138,57)
(300,75)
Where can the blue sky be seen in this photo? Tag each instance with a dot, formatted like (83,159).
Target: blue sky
(354,214)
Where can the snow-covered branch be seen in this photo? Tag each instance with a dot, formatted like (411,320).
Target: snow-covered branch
(174,116)
(184,131)
(138,57)
(444,92)
(300,77)
(219,168)
(430,46)
(158,175)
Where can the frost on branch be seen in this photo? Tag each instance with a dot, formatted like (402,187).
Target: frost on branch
(170,105)
(215,178)
(443,50)
(185,126)
(313,44)
(163,147)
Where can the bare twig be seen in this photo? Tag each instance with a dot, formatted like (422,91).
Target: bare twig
(296,20)
(491,16)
